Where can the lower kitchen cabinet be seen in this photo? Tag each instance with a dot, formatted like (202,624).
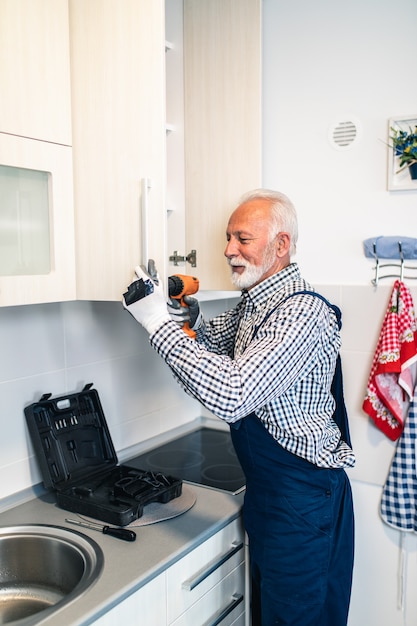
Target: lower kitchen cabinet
(209,580)
(145,607)
(207,586)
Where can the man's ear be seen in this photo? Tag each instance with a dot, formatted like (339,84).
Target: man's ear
(283,244)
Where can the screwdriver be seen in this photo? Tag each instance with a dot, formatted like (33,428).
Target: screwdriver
(120,533)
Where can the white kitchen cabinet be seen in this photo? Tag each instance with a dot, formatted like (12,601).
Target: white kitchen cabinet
(209,582)
(37,262)
(222,122)
(213,73)
(37,256)
(174,66)
(34,70)
(116,94)
(92,75)
(145,607)
(118,113)
(207,586)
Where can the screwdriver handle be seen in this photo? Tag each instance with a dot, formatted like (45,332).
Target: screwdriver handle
(120,533)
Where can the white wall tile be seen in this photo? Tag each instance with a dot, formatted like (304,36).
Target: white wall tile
(364,309)
(140,398)
(376,570)
(96,331)
(331,292)
(18,467)
(373,449)
(31,340)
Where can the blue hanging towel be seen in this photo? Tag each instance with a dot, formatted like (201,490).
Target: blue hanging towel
(388,248)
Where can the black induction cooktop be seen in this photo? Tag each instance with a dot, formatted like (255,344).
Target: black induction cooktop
(203,457)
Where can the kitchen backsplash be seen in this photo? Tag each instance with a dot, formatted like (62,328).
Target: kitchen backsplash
(58,348)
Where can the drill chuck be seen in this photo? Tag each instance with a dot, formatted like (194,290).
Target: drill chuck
(175,286)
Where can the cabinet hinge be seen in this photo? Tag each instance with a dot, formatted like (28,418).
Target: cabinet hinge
(190,258)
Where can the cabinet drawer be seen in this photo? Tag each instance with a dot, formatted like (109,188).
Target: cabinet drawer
(223,605)
(202,569)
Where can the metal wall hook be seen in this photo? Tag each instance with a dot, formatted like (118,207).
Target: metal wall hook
(400,266)
(400,250)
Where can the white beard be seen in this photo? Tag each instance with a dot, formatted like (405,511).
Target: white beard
(252,273)
(249,276)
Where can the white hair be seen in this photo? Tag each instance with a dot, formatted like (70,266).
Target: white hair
(284,215)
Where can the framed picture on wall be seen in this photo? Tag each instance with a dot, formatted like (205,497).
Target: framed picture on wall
(402,135)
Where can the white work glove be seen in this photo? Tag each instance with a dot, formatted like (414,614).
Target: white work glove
(145,299)
(182,314)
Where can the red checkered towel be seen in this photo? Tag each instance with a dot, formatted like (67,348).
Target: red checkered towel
(392,379)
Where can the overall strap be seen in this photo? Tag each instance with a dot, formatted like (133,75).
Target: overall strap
(334,308)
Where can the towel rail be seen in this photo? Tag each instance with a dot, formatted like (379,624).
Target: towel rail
(401,266)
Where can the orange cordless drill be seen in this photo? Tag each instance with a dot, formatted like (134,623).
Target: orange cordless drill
(180,286)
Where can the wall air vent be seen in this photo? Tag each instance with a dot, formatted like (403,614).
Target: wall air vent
(344,134)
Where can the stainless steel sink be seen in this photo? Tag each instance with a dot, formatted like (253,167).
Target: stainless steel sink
(43,568)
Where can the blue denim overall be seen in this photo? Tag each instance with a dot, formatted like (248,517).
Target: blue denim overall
(299,521)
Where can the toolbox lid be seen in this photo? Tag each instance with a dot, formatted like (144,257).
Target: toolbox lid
(71,437)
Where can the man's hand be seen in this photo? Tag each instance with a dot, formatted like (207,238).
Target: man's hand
(182,314)
(145,300)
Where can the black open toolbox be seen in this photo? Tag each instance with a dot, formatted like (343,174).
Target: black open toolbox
(77,459)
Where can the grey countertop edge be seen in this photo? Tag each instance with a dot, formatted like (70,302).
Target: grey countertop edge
(129,566)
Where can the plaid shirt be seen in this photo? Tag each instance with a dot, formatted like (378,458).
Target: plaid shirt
(276,361)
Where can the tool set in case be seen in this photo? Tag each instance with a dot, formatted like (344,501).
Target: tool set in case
(77,459)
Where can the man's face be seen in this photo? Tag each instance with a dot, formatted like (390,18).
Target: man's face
(251,254)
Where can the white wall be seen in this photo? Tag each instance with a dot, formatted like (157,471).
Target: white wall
(324,62)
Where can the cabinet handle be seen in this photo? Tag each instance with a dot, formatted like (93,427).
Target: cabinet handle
(145,186)
(237,598)
(191,583)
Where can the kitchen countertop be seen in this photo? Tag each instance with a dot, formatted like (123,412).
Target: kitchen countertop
(128,566)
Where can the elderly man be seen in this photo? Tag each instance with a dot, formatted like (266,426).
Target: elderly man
(266,367)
